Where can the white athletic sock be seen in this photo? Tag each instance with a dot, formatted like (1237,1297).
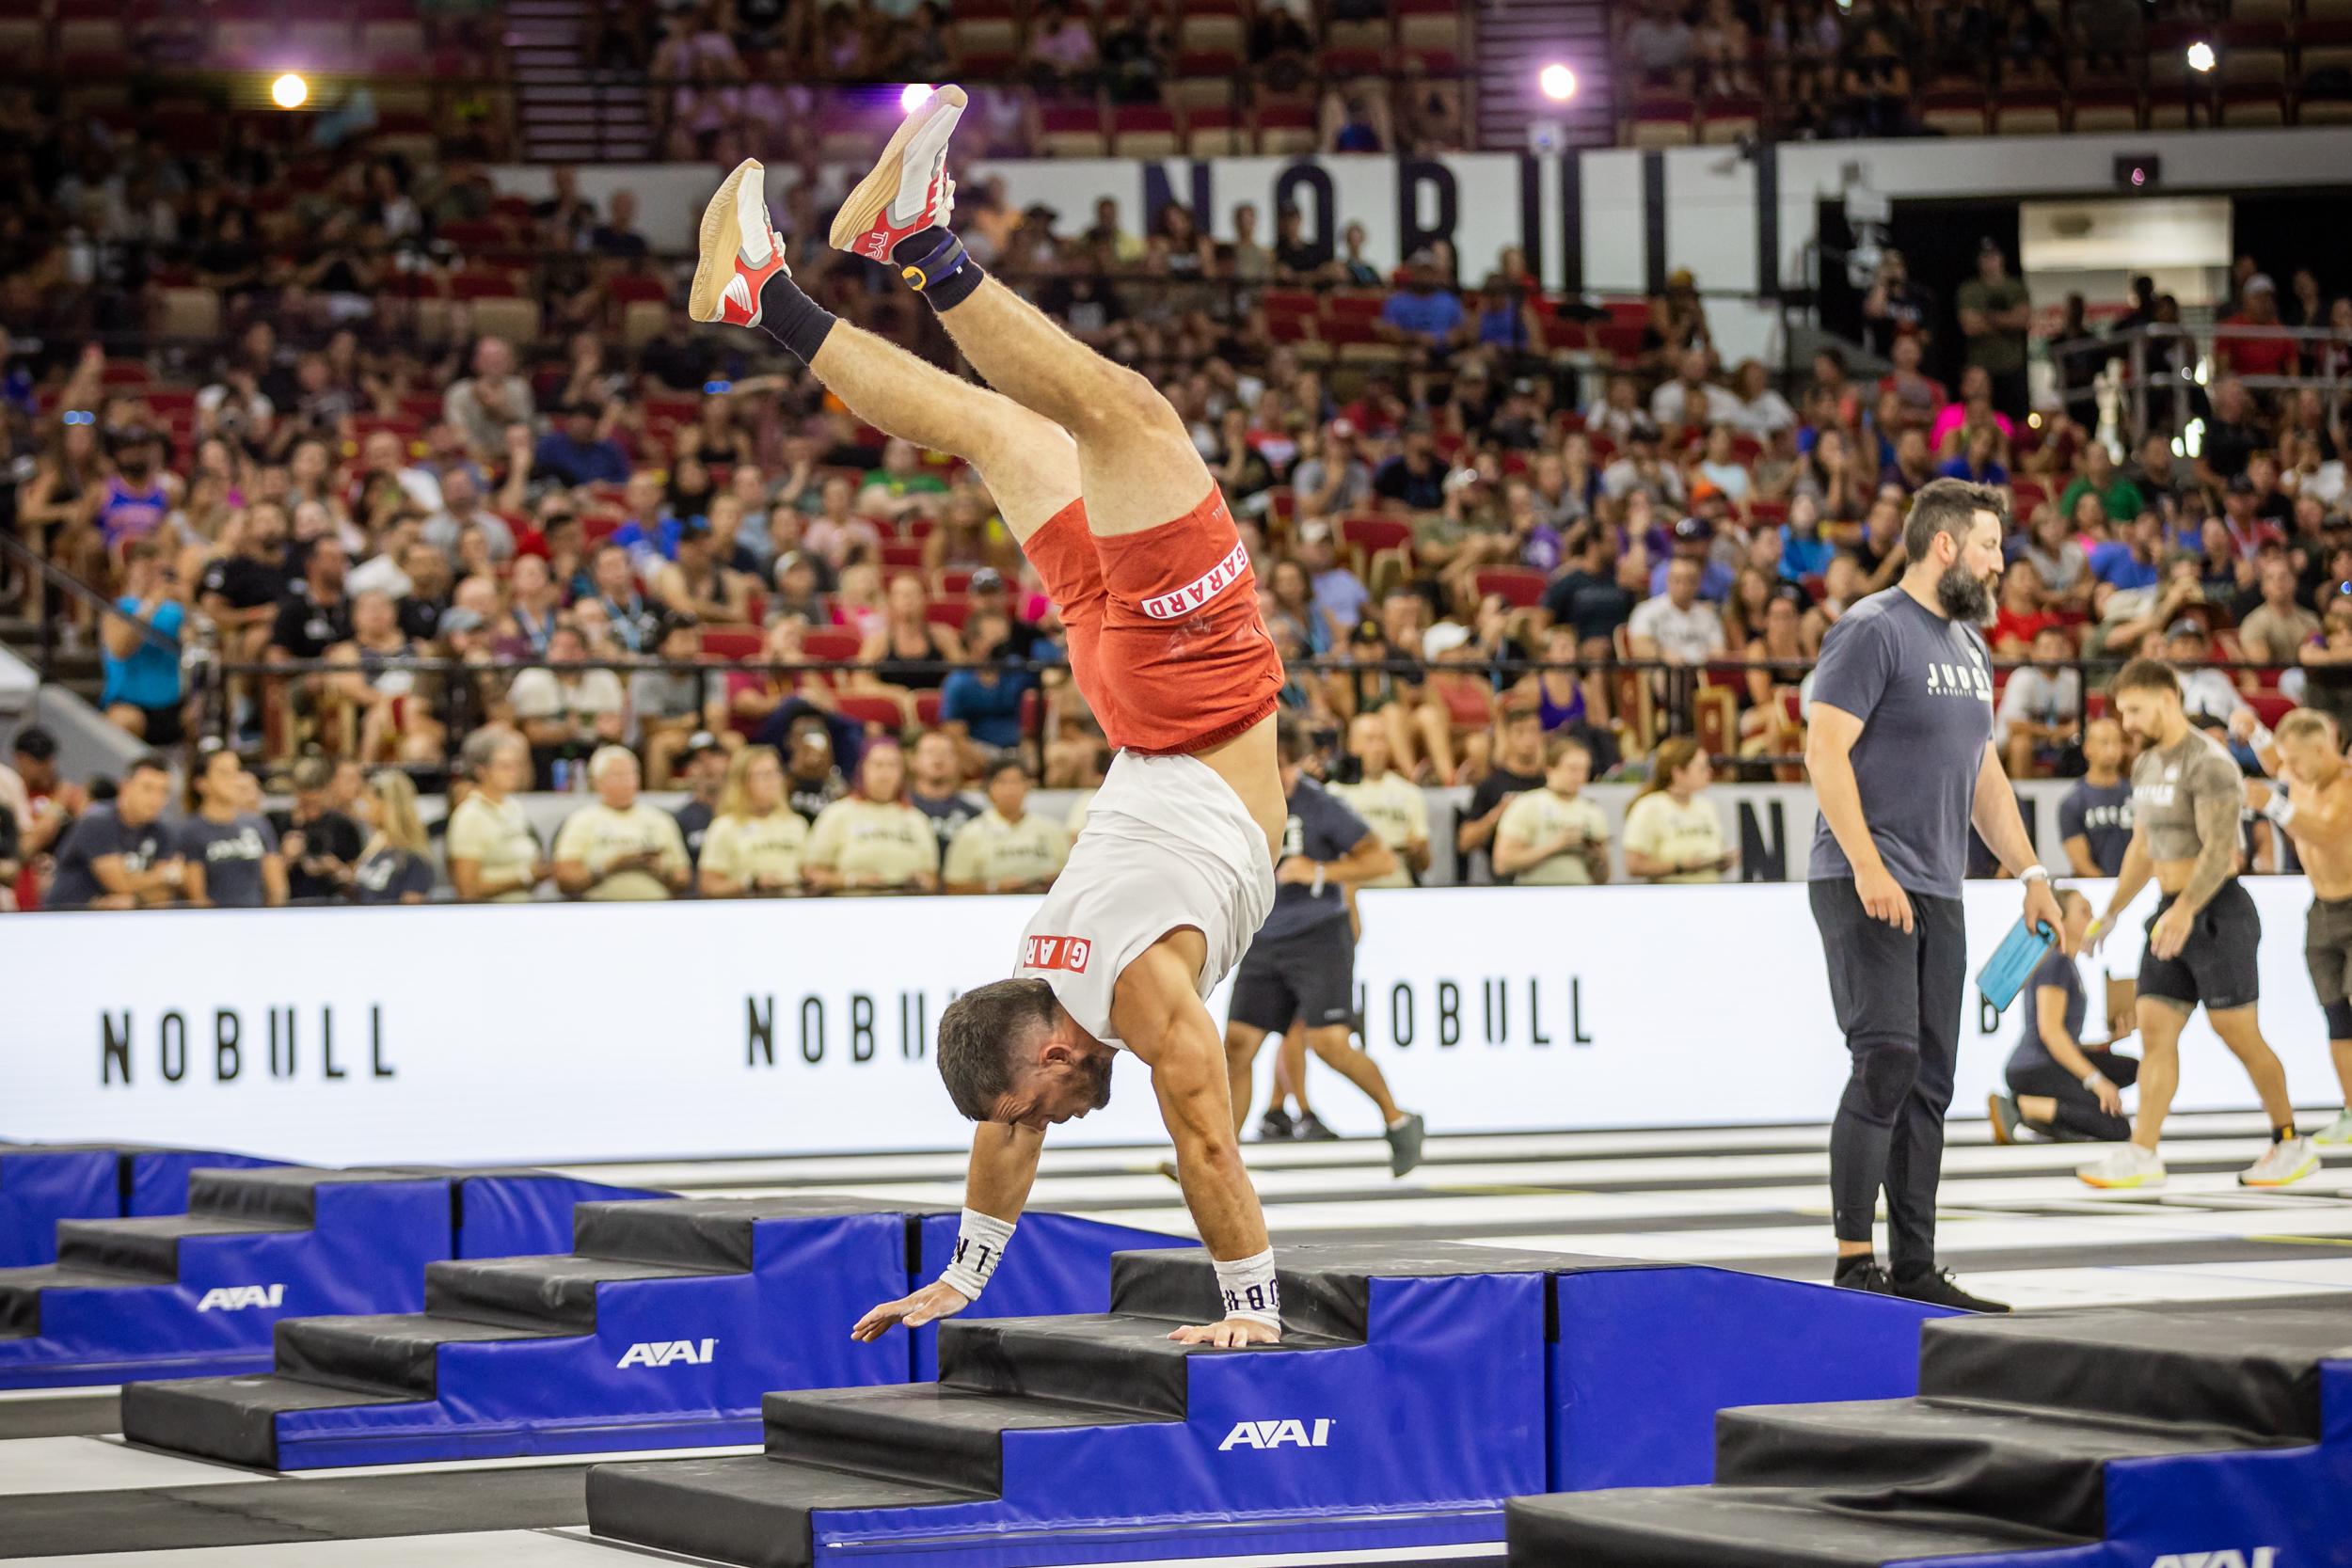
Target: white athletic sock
(1399,1122)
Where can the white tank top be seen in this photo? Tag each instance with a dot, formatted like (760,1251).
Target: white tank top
(1166,843)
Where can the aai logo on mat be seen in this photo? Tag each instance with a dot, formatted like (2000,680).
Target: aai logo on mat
(236,1298)
(662,1352)
(2255,1557)
(1272,1435)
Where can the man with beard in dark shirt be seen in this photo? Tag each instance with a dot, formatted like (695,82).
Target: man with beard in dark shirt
(1414,479)
(421,609)
(313,614)
(240,591)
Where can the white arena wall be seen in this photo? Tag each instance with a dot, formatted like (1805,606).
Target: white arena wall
(553,1033)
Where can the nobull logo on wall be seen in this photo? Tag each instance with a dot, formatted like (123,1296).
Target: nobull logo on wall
(131,1053)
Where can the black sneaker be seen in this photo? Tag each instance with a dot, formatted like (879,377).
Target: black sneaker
(1276,1126)
(1309,1128)
(1872,1279)
(1936,1289)
(1404,1145)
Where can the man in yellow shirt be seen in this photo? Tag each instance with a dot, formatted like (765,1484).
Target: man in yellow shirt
(1553,836)
(619,848)
(1006,849)
(1391,804)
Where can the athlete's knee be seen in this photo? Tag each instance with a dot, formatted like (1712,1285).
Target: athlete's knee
(1241,1043)
(1119,399)
(1884,1070)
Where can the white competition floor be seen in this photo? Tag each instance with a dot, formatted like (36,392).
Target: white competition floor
(2015,1225)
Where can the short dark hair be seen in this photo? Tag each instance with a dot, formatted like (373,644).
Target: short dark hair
(978,1033)
(1291,740)
(2146,675)
(147,762)
(1001,764)
(1947,506)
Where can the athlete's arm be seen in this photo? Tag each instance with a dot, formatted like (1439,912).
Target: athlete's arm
(1829,742)
(2216,862)
(1161,1018)
(996,1183)
(2137,868)
(2003,828)
(2049,1013)
(2321,817)
(1370,861)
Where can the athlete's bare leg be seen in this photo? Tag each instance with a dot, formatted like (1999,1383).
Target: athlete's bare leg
(1330,1044)
(2161,1021)
(2241,1031)
(1241,1056)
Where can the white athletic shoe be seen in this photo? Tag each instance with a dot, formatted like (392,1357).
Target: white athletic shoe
(2338,1131)
(2125,1166)
(908,189)
(2288,1160)
(740,251)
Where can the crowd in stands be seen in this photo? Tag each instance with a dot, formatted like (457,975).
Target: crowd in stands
(1720,69)
(635,559)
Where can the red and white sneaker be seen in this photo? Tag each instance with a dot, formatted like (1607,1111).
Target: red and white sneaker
(740,251)
(908,190)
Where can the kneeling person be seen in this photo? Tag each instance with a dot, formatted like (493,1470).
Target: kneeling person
(2059,1087)
(1302,967)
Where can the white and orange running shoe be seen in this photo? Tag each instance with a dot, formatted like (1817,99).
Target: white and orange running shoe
(741,250)
(908,191)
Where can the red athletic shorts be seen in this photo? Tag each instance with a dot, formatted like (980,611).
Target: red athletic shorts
(1165,636)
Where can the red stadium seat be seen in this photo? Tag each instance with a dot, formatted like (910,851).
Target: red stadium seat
(728,643)
(948,609)
(1520,586)
(871,708)
(927,705)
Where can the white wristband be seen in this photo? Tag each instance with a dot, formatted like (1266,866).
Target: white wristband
(2092,1078)
(2278,809)
(2033,871)
(979,1247)
(1246,1289)
(2262,737)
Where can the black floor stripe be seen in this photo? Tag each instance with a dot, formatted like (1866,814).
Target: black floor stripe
(63,1415)
(273,1511)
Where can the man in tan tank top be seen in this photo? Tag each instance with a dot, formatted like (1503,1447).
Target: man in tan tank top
(2187,793)
(2315,810)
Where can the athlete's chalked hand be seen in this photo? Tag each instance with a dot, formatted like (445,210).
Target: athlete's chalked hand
(1882,897)
(933,1301)
(1227,1335)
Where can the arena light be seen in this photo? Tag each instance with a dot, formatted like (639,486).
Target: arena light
(289,91)
(912,95)
(1558,83)
(2200,55)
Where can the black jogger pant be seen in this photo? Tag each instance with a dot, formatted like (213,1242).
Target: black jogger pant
(1897,997)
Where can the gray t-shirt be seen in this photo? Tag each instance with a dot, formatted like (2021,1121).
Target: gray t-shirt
(231,853)
(1321,828)
(1922,687)
(2168,785)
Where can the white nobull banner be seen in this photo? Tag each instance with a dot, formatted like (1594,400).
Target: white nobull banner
(552,1032)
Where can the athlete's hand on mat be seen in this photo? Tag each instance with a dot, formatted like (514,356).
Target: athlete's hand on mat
(1296,869)
(935,1300)
(2170,934)
(1882,897)
(1225,1335)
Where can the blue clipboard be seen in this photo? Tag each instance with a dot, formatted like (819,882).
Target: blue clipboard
(2013,962)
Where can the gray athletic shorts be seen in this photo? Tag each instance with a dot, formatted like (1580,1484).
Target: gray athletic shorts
(2328,948)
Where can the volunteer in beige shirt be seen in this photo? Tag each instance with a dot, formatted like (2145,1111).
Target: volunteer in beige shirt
(619,848)
(1553,836)
(753,848)
(493,855)
(870,840)
(1389,803)
(1007,849)
(1673,832)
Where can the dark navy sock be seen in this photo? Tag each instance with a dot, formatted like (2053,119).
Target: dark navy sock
(935,266)
(793,319)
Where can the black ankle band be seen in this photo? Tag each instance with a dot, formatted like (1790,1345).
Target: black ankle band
(1855,1264)
(793,319)
(935,266)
